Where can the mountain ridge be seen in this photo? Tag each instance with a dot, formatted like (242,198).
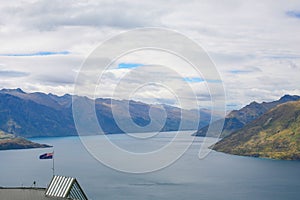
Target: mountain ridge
(237,119)
(38,114)
(276,135)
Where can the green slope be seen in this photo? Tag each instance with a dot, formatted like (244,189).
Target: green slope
(9,141)
(275,134)
(237,119)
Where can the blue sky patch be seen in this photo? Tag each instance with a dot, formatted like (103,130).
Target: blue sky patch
(129,65)
(293,13)
(40,53)
(239,71)
(193,79)
(199,80)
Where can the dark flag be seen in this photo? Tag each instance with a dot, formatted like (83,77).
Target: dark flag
(46,156)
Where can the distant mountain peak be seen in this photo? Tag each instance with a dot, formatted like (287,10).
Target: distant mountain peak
(67,95)
(54,95)
(19,90)
(288,97)
(254,103)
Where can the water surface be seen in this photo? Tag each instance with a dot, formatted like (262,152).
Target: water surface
(217,177)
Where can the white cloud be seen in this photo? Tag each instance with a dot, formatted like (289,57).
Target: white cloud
(258,38)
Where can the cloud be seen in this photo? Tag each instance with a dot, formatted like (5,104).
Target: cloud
(40,53)
(46,16)
(67,79)
(257,55)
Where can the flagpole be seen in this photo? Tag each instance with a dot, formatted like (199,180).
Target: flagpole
(53,169)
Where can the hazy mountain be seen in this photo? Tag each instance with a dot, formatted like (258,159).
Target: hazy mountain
(33,115)
(276,134)
(38,114)
(237,119)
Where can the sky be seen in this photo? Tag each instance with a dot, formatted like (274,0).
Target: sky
(253,44)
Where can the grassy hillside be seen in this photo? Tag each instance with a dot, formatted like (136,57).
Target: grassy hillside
(237,119)
(275,134)
(9,141)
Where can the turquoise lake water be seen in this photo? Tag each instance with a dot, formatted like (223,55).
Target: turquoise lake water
(216,177)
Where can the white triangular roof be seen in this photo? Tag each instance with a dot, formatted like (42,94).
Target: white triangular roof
(65,187)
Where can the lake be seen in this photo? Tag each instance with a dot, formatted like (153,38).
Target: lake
(216,177)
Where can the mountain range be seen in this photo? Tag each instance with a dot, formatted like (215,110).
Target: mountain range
(267,129)
(43,115)
(237,119)
(275,134)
